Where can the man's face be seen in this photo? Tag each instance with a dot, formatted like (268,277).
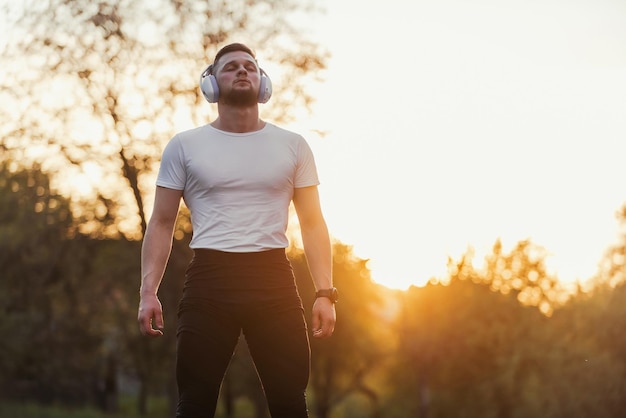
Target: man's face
(238,78)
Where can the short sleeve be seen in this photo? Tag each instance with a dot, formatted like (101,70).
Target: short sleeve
(306,170)
(172,172)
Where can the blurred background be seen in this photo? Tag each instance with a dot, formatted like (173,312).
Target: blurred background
(471,158)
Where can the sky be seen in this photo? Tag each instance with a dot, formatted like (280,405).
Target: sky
(451,124)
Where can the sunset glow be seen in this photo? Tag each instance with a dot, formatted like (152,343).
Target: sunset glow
(452,124)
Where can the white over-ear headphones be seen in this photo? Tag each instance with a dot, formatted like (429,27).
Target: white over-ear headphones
(208,86)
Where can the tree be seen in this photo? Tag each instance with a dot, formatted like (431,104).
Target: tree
(93,90)
(346,363)
(523,272)
(459,345)
(96,88)
(613,266)
(467,345)
(609,326)
(599,317)
(468,348)
(51,349)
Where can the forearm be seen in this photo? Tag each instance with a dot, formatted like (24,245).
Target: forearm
(317,249)
(155,252)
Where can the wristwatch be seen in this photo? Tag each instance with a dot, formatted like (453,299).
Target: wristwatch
(331,294)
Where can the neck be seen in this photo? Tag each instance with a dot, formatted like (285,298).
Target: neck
(237,119)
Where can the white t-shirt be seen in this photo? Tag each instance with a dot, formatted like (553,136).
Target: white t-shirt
(238,186)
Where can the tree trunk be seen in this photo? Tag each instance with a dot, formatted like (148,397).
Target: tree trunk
(110,385)
(142,400)
(373,398)
(131,174)
(424,397)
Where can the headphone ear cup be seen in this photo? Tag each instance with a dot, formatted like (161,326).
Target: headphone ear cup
(208,86)
(265,88)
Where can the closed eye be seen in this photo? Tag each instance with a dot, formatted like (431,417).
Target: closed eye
(233,66)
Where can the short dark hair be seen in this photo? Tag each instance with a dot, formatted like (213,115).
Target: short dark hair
(232,48)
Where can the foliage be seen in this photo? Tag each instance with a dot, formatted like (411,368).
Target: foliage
(93,90)
(522,272)
(613,266)
(35,410)
(455,348)
(345,364)
(39,303)
(468,350)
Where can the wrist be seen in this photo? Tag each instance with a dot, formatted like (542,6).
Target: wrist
(331,294)
(147,293)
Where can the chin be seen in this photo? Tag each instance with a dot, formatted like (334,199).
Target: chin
(243,99)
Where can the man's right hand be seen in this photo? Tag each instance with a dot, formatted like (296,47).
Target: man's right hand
(150,316)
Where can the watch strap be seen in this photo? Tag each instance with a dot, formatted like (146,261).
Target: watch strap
(331,294)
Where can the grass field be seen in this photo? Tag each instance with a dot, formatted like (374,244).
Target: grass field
(157,408)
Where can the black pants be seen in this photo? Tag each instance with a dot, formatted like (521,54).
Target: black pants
(224,294)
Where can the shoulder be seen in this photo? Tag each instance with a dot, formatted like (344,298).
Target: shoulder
(191,140)
(288,138)
(277,131)
(194,133)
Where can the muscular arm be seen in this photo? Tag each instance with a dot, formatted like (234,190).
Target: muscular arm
(155,252)
(317,249)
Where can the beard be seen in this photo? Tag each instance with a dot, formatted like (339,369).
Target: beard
(241,98)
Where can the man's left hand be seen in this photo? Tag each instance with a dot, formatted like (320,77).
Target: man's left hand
(324,318)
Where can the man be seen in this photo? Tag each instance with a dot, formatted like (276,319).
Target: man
(238,176)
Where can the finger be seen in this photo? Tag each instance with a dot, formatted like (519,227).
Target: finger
(154,332)
(325,330)
(158,320)
(147,330)
(321,333)
(316,323)
(145,325)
